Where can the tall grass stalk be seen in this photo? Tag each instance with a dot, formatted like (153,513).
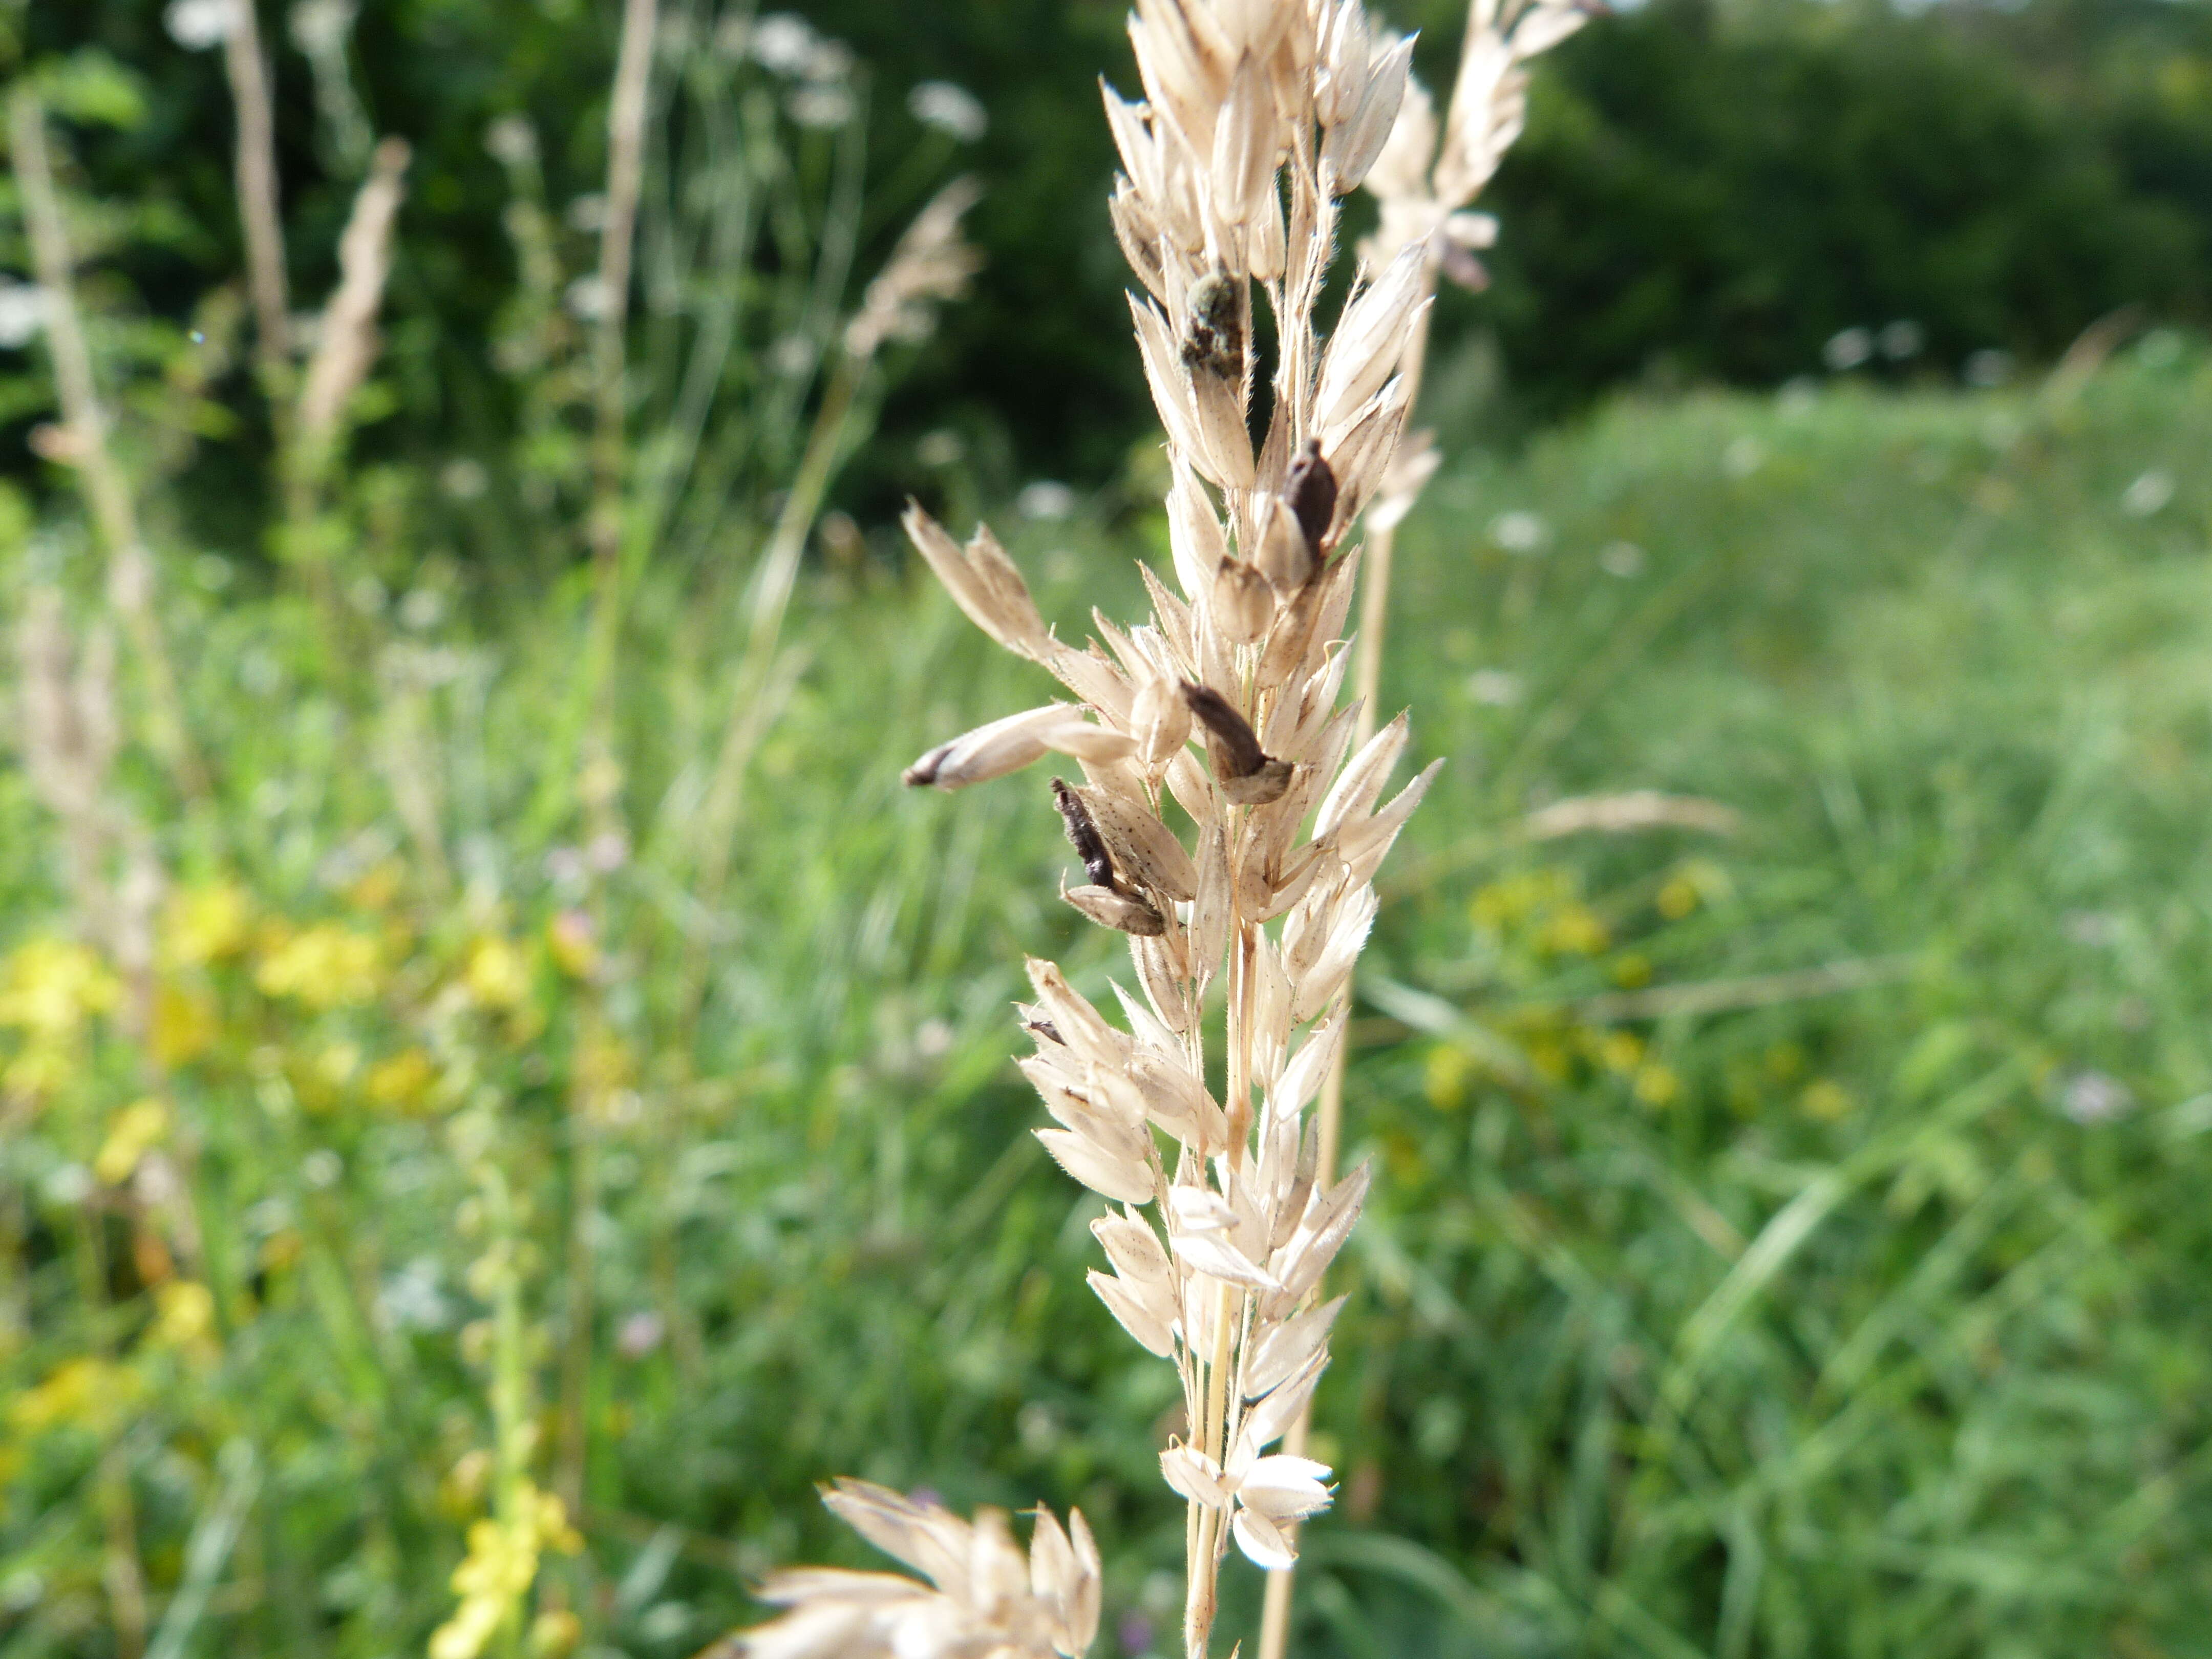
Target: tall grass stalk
(1424,190)
(85,449)
(1260,117)
(259,209)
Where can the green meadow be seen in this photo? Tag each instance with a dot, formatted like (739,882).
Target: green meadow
(1782,1052)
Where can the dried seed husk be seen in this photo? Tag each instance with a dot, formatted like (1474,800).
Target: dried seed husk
(1367,844)
(1347,937)
(1265,1545)
(1096,1168)
(1256,788)
(1162,974)
(1243,602)
(1282,553)
(1292,638)
(1214,1256)
(1194,1475)
(1175,620)
(1159,722)
(1275,1412)
(1135,1250)
(1135,1313)
(1357,788)
(1289,1347)
(1083,835)
(1144,850)
(1092,676)
(983,582)
(1364,349)
(1349,149)
(1178,1103)
(1310,494)
(1077,1025)
(1194,533)
(1328,1223)
(1237,750)
(1138,234)
(1120,911)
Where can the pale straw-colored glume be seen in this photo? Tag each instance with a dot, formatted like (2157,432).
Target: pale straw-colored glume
(1248,870)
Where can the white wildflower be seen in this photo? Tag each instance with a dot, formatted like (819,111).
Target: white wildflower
(2144,498)
(196,25)
(22,312)
(781,43)
(948,108)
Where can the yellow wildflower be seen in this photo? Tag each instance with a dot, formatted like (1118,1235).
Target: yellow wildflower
(568,937)
(498,974)
(501,1566)
(378,885)
(1548,1055)
(1698,881)
(1447,1071)
(400,1083)
(136,1130)
(1501,904)
(1824,1100)
(463,1488)
(184,1317)
(324,966)
(555,1633)
(38,1071)
(186,1024)
(1621,1051)
(602,1069)
(1573,930)
(205,923)
(280,1250)
(87,1392)
(318,1079)
(50,987)
(1656,1085)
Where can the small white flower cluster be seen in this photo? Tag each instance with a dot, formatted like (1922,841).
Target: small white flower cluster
(23,307)
(789,46)
(196,25)
(988,1600)
(948,108)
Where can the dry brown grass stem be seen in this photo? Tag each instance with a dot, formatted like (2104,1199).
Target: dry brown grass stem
(68,735)
(930,266)
(258,207)
(346,345)
(626,117)
(85,446)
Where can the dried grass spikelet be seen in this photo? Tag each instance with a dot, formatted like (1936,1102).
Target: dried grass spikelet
(1426,173)
(930,265)
(986,1598)
(346,343)
(70,738)
(1258,115)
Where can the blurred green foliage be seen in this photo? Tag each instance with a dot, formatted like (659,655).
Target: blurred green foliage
(1709,189)
(1707,196)
(1788,1240)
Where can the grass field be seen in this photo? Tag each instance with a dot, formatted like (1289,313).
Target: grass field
(1783,1048)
